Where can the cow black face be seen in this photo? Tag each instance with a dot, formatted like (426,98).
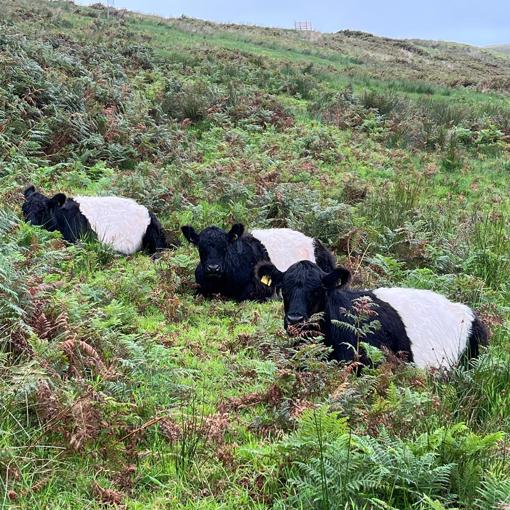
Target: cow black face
(213,244)
(39,209)
(304,286)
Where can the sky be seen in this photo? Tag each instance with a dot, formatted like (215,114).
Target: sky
(477,22)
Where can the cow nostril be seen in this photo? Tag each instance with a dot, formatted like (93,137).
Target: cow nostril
(213,268)
(294,318)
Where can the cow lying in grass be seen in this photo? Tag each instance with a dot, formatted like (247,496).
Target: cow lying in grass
(120,223)
(425,327)
(228,259)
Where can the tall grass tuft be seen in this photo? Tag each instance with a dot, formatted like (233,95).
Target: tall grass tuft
(392,207)
(192,437)
(14,295)
(489,249)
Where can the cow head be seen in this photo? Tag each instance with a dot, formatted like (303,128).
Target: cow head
(39,209)
(304,286)
(213,243)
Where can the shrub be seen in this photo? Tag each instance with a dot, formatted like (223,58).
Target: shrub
(489,249)
(260,110)
(341,109)
(452,159)
(297,82)
(320,144)
(335,468)
(392,207)
(494,494)
(189,100)
(14,295)
(477,394)
(288,205)
(383,103)
(489,136)
(361,471)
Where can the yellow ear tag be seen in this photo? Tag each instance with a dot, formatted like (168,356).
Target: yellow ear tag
(266,280)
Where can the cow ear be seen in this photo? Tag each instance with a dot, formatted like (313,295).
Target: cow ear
(58,200)
(268,274)
(236,232)
(338,278)
(29,191)
(190,234)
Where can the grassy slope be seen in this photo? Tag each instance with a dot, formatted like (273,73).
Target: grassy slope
(394,152)
(503,48)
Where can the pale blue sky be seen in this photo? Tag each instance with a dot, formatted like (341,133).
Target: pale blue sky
(479,22)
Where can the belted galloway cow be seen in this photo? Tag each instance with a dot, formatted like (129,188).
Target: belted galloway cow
(228,259)
(423,326)
(120,223)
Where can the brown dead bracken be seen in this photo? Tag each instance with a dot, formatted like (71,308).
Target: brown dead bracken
(108,496)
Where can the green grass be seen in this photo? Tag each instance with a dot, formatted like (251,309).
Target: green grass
(119,384)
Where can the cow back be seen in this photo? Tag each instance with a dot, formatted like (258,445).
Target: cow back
(118,222)
(285,246)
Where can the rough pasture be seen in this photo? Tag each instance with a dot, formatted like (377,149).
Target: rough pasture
(120,386)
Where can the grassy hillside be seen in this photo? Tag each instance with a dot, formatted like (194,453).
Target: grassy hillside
(119,386)
(502,48)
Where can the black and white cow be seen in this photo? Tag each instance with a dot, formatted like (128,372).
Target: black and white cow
(118,222)
(427,328)
(228,259)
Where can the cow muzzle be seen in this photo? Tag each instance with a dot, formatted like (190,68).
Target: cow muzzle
(214,270)
(295,318)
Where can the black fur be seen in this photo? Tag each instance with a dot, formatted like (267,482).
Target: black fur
(391,334)
(323,257)
(478,337)
(307,290)
(154,239)
(63,214)
(227,261)
(39,210)
(71,222)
